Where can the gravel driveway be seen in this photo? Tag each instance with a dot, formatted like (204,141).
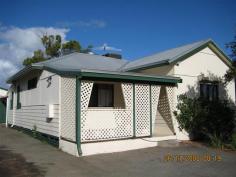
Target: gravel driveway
(21,155)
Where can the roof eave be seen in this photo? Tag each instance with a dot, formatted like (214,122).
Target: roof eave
(210,43)
(21,73)
(148,66)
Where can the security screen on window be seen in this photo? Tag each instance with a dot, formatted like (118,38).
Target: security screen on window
(209,90)
(102,95)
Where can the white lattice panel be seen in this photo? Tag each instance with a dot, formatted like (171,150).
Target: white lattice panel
(142,110)
(170,96)
(68,102)
(108,123)
(164,107)
(155,93)
(86,90)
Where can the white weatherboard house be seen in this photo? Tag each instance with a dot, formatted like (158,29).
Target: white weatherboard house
(97,104)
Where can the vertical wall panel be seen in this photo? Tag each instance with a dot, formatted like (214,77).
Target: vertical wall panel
(68,98)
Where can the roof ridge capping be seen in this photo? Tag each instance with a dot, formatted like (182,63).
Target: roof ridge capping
(174,55)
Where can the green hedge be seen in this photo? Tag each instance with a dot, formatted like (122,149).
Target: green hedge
(206,120)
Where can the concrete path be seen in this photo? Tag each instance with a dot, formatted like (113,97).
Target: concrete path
(21,155)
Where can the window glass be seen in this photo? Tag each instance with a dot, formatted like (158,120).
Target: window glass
(102,96)
(32,83)
(209,90)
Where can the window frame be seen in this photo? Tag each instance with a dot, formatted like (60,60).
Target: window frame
(211,90)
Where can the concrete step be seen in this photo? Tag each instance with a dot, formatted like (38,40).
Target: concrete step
(161,130)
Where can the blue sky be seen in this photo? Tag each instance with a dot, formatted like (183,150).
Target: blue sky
(139,27)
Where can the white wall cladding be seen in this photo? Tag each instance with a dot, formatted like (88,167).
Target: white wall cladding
(103,124)
(68,101)
(155,93)
(35,115)
(10,112)
(142,110)
(34,103)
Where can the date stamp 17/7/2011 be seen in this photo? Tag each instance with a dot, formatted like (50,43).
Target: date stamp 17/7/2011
(192,157)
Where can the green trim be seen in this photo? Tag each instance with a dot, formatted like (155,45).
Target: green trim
(131,77)
(121,76)
(148,66)
(128,81)
(186,55)
(137,77)
(150,99)
(50,139)
(134,120)
(78,116)
(222,53)
(3,88)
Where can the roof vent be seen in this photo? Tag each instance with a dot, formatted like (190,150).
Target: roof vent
(113,55)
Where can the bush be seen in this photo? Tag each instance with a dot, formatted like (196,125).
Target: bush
(206,120)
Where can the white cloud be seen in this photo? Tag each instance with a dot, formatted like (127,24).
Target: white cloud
(18,43)
(83,24)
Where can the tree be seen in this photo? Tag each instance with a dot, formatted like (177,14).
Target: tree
(71,46)
(52,45)
(38,57)
(54,48)
(87,50)
(231,73)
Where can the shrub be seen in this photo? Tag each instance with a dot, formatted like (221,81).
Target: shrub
(206,120)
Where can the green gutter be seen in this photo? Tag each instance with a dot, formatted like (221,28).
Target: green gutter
(150,100)
(131,77)
(78,115)
(134,120)
(148,66)
(3,88)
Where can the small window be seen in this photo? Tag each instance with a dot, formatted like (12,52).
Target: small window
(209,90)
(11,100)
(102,96)
(32,83)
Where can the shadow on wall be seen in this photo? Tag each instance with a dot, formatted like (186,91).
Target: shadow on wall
(205,85)
(206,111)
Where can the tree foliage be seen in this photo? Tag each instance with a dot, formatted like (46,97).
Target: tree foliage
(204,119)
(231,73)
(54,48)
(37,57)
(88,49)
(71,46)
(52,45)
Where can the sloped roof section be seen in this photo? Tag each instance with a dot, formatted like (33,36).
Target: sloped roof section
(170,56)
(91,66)
(78,61)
